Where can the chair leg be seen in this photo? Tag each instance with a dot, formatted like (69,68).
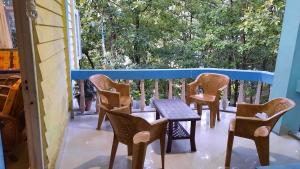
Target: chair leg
(129,149)
(218,111)
(113,152)
(199,109)
(138,156)
(213,114)
(263,150)
(229,149)
(162,150)
(100,119)
(130,108)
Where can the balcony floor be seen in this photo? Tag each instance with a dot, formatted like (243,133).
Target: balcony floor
(87,148)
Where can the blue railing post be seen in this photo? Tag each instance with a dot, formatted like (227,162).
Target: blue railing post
(287,71)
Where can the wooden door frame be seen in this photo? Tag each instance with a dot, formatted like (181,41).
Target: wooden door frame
(24,11)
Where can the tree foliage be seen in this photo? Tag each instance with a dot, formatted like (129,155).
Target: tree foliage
(181,34)
(238,34)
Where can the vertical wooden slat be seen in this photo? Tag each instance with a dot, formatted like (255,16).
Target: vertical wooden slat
(258,91)
(182,89)
(82,96)
(142,87)
(241,92)
(170,93)
(156,94)
(225,99)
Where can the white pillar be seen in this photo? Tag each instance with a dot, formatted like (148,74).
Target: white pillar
(142,87)
(170,95)
(156,93)
(241,92)
(183,89)
(225,99)
(258,92)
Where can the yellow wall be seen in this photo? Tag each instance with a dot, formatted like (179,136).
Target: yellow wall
(52,61)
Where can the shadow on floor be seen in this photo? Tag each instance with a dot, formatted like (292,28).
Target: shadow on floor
(121,162)
(246,158)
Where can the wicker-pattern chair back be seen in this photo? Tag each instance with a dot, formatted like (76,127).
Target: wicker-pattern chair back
(212,85)
(126,126)
(276,108)
(212,82)
(101,82)
(110,95)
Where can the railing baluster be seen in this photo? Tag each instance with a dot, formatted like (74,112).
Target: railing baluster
(142,87)
(258,91)
(82,96)
(156,94)
(225,99)
(241,92)
(182,89)
(170,95)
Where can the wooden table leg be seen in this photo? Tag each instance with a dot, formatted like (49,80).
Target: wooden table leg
(192,136)
(170,136)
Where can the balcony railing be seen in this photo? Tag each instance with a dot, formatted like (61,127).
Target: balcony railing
(260,77)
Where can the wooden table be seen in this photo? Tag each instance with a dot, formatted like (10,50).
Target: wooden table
(176,111)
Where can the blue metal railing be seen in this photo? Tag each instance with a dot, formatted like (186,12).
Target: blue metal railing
(139,74)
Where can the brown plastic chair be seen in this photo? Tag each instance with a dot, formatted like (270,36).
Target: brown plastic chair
(125,126)
(110,95)
(212,85)
(247,125)
(11,115)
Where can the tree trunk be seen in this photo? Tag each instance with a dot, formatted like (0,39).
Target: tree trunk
(103,43)
(136,52)
(86,52)
(191,26)
(113,37)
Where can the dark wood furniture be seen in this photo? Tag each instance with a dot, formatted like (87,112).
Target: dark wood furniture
(212,85)
(176,111)
(247,125)
(12,114)
(126,126)
(110,95)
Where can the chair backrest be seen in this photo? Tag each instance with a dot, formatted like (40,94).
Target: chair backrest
(211,82)
(14,102)
(125,126)
(105,84)
(101,82)
(276,108)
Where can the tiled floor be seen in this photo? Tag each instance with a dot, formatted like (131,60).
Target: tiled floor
(87,148)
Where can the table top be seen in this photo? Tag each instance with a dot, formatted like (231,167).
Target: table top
(175,110)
